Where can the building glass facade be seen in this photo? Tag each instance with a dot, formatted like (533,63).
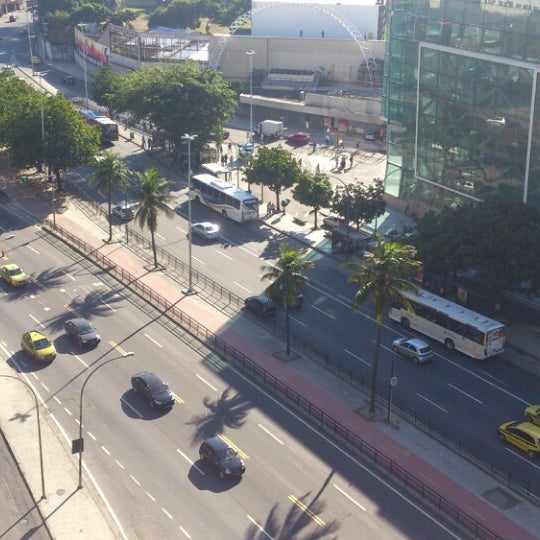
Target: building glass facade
(461,96)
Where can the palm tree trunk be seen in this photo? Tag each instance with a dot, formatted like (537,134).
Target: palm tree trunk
(154,248)
(374,370)
(287,331)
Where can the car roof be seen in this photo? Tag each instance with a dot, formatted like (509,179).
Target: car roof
(418,343)
(149,378)
(10,266)
(529,427)
(217,444)
(36,334)
(79,322)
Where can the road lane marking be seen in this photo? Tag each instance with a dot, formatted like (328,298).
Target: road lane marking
(45,386)
(160,236)
(72,310)
(153,341)
(357,357)
(150,496)
(68,412)
(91,435)
(119,464)
(485,374)
(81,360)
(117,347)
(205,382)
(271,434)
(241,287)
(431,402)
(32,249)
(350,498)
(178,399)
(185,532)
(523,458)
(57,400)
(134,479)
(182,230)
(219,252)
(105,450)
(297,321)
(261,529)
(465,393)
(306,510)
(233,446)
(191,462)
(36,321)
(69,275)
(198,260)
(324,312)
(166,513)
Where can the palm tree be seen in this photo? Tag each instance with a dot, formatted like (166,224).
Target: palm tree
(111,173)
(153,198)
(383,278)
(288,282)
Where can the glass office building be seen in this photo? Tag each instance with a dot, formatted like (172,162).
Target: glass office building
(462,100)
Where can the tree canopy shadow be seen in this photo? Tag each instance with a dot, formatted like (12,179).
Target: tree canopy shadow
(225,412)
(298,523)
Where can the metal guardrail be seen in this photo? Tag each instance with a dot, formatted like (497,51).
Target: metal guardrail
(449,511)
(521,485)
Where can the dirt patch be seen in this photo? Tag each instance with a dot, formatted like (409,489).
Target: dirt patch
(501,498)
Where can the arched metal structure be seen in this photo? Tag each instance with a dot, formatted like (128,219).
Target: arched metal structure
(369,60)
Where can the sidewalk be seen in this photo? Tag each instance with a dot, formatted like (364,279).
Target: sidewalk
(418,454)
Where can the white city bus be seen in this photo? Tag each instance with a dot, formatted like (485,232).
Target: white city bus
(456,326)
(225,198)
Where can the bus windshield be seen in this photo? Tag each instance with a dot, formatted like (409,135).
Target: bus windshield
(454,325)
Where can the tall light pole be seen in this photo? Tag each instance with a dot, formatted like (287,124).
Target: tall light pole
(84,65)
(30,43)
(189,138)
(250,55)
(53,185)
(80,444)
(43,496)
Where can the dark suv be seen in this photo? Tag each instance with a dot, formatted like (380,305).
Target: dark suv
(153,389)
(226,460)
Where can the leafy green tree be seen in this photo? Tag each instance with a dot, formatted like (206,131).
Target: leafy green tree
(178,14)
(313,190)
(111,174)
(59,28)
(274,168)
(359,203)
(69,140)
(496,243)
(91,12)
(179,100)
(123,17)
(106,85)
(383,278)
(50,6)
(288,281)
(153,198)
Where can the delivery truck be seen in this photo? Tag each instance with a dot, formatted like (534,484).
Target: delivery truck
(273,129)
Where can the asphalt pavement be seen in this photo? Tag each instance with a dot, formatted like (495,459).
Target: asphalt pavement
(68,512)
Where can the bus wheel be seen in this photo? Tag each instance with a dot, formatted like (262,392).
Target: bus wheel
(449,344)
(405,323)
(224,213)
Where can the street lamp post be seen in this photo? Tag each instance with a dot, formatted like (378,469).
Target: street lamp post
(83,54)
(393,384)
(250,55)
(189,138)
(43,496)
(81,448)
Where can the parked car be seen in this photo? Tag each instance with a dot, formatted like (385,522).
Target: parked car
(35,61)
(370,135)
(299,138)
(260,305)
(83,332)
(416,349)
(331,222)
(532,413)
(522,435)
(68,79)
(13,275)
(206,230)
(221,456)
(153,389)
(38,346)
(124,212)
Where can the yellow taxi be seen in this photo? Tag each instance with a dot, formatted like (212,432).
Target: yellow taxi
(13,275)
(532,414)
(522,435)
(38,346)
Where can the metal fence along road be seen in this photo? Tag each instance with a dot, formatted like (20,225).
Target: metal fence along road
(451,514)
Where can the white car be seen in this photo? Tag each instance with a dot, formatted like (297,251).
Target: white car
(206,230)
(415,349)
(124,212)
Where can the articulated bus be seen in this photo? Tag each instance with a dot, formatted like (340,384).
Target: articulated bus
(108,127)
(225,198)
(456,326)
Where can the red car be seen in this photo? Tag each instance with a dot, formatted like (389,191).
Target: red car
(299,138)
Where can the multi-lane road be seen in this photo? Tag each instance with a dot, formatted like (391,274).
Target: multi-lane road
(297,483)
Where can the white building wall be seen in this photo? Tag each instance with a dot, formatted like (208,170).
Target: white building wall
(313,19)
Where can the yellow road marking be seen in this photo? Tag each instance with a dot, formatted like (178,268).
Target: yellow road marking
(117,347)
(178,399)
(233,446)
(71,310)
(305,509)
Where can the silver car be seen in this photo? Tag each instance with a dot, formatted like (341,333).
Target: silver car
(413,348)
(206,230)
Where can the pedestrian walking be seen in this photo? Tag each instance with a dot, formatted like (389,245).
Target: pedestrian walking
(299,162)
(314,146)
(143,139)
(343,163)
(317,169)
(229,146)
(269,208)
(327,139)
(150,143)
(351,161)
(231,159)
